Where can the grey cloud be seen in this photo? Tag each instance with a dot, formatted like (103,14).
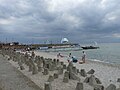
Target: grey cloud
(85,22)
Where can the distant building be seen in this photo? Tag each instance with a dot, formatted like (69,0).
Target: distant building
(14,43)
(64,40)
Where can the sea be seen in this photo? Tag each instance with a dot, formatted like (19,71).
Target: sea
(108,52)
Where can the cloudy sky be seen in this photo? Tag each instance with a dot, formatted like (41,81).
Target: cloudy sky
(83,21)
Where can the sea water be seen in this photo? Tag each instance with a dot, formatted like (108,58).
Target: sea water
(108,52)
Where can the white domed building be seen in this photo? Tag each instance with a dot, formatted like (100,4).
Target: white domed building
(64,40)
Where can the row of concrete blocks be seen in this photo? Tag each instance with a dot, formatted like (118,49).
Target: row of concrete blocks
(48,86)
(71,72)
(80,86)
(20,58)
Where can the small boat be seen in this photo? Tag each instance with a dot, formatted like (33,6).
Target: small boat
(89,47)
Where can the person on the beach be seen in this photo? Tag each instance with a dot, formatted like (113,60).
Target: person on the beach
(74,59)
(83,57)
(69,57)
(59,55)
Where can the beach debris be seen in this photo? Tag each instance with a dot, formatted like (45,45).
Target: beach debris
(79,86)
(46,72)
(83,73)
(111,87)
(98,87)
(92,71)
(55,75)
(51,78)
(118,80)
(47,86)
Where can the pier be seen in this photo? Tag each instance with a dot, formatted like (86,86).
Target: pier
(33,46)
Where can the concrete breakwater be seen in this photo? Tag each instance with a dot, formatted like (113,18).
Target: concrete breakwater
(55,74)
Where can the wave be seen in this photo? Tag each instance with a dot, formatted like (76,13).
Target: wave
(96,60)
(105,63)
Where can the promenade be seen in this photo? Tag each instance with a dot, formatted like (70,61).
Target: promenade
(12,79)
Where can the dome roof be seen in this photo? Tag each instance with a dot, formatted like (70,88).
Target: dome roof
(64,40)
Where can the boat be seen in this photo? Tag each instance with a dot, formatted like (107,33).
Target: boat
(89,47)
(94,46)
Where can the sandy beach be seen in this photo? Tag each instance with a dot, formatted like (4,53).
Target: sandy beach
(107,73)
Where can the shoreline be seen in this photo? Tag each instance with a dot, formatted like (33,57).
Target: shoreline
(88,60)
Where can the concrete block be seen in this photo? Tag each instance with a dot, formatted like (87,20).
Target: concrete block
(92,71)
(55,75)
(51,78)
(47,86)
(79,86)
(65,79)
(83,73)
(111,87)
(46,72)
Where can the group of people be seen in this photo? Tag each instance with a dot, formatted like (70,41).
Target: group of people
(73,58)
